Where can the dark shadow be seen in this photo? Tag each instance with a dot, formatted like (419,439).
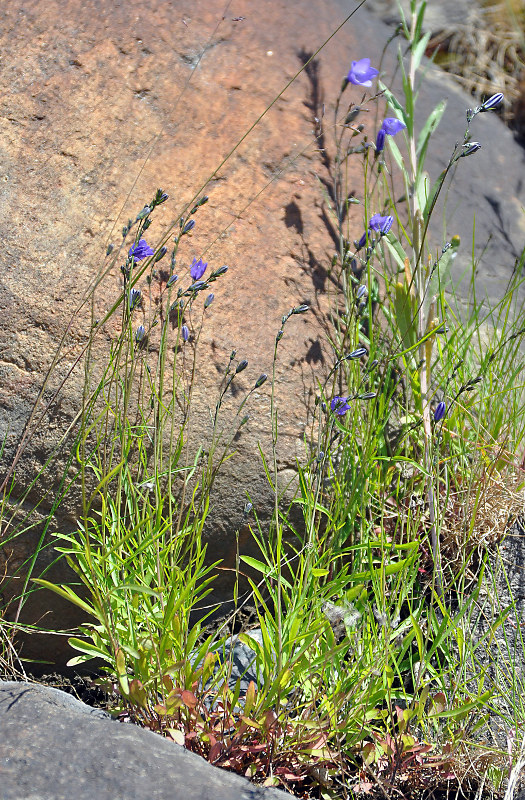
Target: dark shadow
(315,353)
(496,208)
(293,218)
(315,103)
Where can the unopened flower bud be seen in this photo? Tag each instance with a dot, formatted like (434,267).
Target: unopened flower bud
(380,140)
(189,226)
(218,272)
(172,279)
(161,253)
(260,380)
(470,148)
(492,102)
(440,411)
(196,287)
(144,213)
(185,333)
(301,309)
(209,300)
(140,334)
(361,351)
(241,366)
(134,298)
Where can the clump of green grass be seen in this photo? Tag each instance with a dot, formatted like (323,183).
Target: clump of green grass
(364,657)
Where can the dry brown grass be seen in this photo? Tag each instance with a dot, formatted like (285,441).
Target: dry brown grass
(487,55)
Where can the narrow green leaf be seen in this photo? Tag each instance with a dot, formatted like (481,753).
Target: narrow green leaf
(256,564)
(68,594)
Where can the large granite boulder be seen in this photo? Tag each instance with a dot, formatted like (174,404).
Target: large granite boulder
(54,747)
(102,103)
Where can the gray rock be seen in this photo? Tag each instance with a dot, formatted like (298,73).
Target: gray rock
(243,664)
(52,747)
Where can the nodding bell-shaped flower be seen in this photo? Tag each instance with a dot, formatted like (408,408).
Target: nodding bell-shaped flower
(140,334)
(440,411)
(392,125)
(361,73)
(197,269)
(361,243)
(339,405)
(380,141)
(185,333)
(381,224)
(140,250)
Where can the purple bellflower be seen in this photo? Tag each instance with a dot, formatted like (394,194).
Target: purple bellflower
(361,73)
(197,269)
(380,140)
(140,250)
(390,127)
(440,411)
(380,224)
(185,332)
(339,405)
(376,223)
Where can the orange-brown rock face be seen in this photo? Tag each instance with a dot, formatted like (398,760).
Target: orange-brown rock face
(101,104)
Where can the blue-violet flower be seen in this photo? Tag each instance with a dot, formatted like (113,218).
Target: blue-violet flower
(440,411)
(380,224)
(339,405)
(380,140)
(392,125)
(197,269)
(140,250)
(361,73)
